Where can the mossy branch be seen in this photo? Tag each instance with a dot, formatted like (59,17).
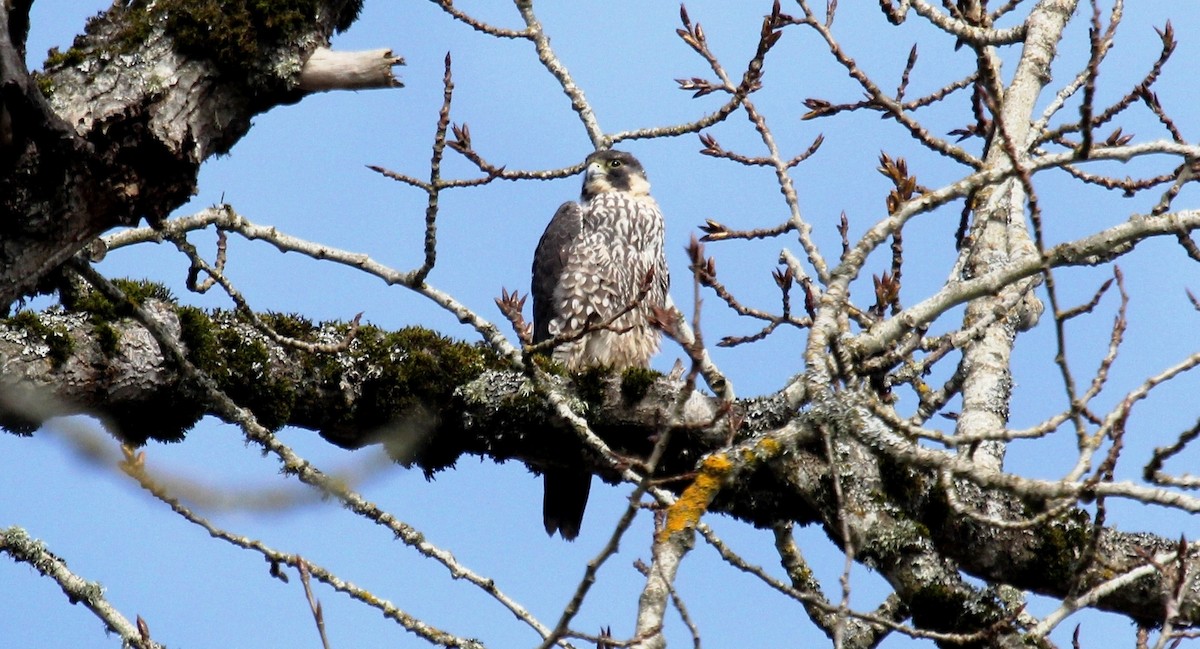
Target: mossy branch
(430,399)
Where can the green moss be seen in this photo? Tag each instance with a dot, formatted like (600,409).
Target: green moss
(237,36)
(401,372)
(92,303)
(140,290)
(56,58)
(636,381)
(349,14)
(156,415)
(80,47)
(245,372)
(18,425)
(241,368)
(27,320)
(409,377)
(291,325)
(199,337)
(61,345)
(103,312)
(936,597)
(229,34)
(397,373)
(44,83)
(233,35)
(547,364)
(590,384)
(1061,539)
(102,309)
(56,337)
(418,365)
(956,609)
(108,339)
(911,489)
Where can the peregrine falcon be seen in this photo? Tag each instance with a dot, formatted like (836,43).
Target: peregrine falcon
(592,263)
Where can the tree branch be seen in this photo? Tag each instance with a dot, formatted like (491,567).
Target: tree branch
(138,131)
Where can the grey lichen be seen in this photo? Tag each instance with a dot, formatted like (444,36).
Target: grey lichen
(50,338)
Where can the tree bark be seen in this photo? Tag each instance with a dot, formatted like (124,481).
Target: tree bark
(115,128)
(429,400)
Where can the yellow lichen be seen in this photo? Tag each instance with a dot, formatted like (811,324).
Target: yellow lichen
(770,447)
(764,450)
(694,501)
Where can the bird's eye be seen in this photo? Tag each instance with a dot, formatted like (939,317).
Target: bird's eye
(613,164)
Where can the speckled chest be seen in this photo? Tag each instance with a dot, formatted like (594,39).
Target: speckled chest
(629,228)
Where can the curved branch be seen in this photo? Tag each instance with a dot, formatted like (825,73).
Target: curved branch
(550,60)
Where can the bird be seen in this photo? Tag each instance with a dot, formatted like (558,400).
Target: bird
(598,257)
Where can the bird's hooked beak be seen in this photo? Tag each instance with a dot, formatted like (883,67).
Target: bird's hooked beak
(594,170)
(595,180)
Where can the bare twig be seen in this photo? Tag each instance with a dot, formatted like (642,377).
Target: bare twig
(16,543)
(135,466)
(294,464)
(313,603)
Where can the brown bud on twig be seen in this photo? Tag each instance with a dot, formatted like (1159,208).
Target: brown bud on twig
(972,130)
(143,632)
(780,19)
(701,86)
(906,185)
(705,268)
(887,292)
(816,108)
(783,278)
(711,146)
(1117,138)
(691,34)
(462,138)
(647,282)
(713,231)
(843,229)
(276,571)
(663,319)
(1192,297)
(810,299)
(1167,34)
(769,35)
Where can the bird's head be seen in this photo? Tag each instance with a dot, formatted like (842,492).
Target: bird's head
(613,171)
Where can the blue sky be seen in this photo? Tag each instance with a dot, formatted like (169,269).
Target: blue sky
(302,169)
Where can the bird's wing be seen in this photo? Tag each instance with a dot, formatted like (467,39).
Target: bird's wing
(548,261)
(566,487)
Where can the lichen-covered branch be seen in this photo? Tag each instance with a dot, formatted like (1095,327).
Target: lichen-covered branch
(53,365)
(16,543)
(102,139)
(115,128)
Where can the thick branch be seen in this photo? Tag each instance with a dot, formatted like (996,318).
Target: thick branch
(430,400)
(330,70)
(129,113)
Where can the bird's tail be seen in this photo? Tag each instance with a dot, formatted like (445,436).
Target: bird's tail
(565,499)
